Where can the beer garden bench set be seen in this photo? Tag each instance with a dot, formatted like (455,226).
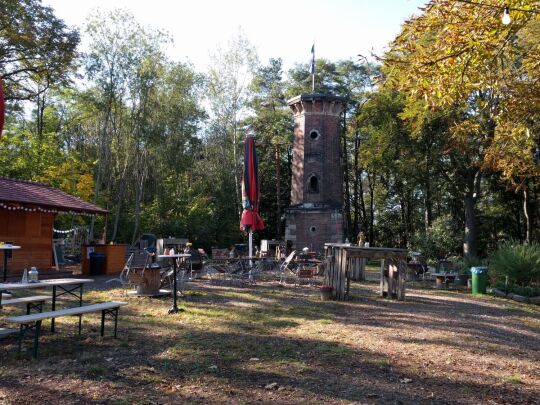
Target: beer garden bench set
(340,266)
(60,287)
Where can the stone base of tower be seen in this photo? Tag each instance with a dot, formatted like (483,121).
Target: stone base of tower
(313,227)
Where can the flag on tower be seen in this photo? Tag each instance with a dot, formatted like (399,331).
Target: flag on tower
(312,67)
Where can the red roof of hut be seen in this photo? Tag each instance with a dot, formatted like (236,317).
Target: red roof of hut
(34,196)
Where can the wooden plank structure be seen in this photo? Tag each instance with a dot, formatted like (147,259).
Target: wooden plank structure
(343,261)
(393,276)
(32,231)
(357,269)
(147,280)
(27,213)
(115,257)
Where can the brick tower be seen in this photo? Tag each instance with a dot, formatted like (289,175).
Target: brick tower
(316,212)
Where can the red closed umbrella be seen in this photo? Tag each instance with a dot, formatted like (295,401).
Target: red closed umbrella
(2,109)
(250,220)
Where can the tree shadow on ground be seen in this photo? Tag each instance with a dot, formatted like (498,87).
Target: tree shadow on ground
(219,351)
(246,363)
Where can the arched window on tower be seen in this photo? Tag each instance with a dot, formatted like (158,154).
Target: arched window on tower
(313,186)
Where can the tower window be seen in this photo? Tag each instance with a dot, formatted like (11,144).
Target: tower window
(313,184)
(314,134)
(312,229)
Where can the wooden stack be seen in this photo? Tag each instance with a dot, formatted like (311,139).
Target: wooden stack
(357,268)
(393,276)
(343,262)
(335,275)
(147,280)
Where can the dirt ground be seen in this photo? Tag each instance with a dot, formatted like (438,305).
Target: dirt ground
(269,344)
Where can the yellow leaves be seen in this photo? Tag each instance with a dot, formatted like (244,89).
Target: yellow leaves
(455,47)
(85,186)
(72,177)
(511,152)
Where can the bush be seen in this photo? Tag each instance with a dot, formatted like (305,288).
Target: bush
(464,264)
(444,236)
(521,263)
(528,291)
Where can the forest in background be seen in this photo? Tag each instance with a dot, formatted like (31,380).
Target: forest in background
(439,138)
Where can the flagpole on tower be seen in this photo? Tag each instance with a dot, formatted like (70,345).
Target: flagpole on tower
(312,68)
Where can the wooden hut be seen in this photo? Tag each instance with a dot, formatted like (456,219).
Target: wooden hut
(27,212)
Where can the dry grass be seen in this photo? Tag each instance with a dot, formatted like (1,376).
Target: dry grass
(273,344)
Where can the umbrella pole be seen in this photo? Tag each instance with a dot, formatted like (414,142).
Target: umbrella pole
(250,244)
(250,252)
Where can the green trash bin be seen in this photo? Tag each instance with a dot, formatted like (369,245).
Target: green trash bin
(479,279)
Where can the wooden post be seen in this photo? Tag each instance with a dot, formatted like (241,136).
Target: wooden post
(337,274)
(346,273)
(357,268)
(328,267)
(402,270)
(384,284)
(392,279)
(353,269)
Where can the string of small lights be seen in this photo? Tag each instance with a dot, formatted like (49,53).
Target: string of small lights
(65,231)
(40,209)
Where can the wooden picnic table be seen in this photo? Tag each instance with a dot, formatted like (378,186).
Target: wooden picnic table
(339,259)
(442,280)
(60,287)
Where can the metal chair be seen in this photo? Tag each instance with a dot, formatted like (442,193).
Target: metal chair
(167,278)
(123,278)
(287,266)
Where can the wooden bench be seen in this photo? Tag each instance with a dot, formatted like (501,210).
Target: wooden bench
(33,321)
(34,302)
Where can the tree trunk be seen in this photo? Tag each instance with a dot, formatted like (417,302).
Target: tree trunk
(278,192)
(40,109)
(428,205)
(356,187)
(403,213)
(237,184)
(411,208)
(137,213)
(101,158)
(469,243)
(371,186)
(363,217)
(118,208)
(347,192)
(141,178)
(528,226)
(470,199)
(517,215)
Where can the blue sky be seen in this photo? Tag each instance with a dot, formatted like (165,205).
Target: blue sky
(341,29)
